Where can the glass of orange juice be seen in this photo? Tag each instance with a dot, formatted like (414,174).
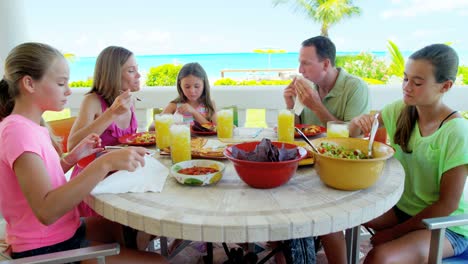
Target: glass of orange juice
(162,124)
(337,129)
(286,125)
(180,142)
(225,123)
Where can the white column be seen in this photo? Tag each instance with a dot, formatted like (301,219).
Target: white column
(12,27)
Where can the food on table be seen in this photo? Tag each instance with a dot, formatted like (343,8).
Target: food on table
(336,151)
(206,127)
(265,151)
(197,170)
(145,138)
(312,129)
(198,148)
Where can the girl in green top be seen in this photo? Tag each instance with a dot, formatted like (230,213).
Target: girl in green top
(431,143)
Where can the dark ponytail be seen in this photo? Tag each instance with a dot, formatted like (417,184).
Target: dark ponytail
(6,102)
(444,59)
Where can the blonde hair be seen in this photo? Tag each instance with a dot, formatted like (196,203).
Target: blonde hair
(28,59)
(107,81)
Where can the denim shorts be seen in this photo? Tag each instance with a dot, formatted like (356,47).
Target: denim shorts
(78,240)
(459,242)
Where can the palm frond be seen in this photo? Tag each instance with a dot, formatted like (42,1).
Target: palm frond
(397,65)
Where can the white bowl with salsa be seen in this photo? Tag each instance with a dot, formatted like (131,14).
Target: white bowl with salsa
(198,172)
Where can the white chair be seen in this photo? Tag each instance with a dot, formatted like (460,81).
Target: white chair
(438,226)
(94,252)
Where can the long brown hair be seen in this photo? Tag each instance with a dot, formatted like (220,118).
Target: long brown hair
(444,59)
(28,59)
(196,70)
(107,80)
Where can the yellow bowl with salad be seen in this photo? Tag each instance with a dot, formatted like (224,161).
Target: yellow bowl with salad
(342,163)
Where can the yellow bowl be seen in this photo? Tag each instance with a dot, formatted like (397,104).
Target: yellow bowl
(349,174)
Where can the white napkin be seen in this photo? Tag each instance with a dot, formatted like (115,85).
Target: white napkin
(298,106)
(150,178)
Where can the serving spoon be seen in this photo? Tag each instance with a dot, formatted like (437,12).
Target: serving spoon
(375,126)
(306,139)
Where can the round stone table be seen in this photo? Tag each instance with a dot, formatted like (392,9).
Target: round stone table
(233,212)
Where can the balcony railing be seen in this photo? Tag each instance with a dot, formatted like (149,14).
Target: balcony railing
(269,98)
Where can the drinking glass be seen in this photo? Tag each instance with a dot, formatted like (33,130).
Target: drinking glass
(225,123)
(337,129)
(162,124)
(180,142)
(286,125)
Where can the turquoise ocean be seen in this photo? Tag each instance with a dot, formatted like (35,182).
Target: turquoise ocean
(82,68)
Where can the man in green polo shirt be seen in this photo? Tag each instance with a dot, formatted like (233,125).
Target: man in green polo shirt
(327,93)
(333,94)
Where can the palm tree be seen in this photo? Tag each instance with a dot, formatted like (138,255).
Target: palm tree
(326,12)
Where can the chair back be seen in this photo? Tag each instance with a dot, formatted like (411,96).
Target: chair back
(61,128)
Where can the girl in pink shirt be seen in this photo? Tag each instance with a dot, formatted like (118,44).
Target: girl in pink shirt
(37,203)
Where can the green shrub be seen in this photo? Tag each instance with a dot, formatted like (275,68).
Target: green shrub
(228,81)
(87,83)
(463,74)
(163,75)
(373,81)
(364,65)
(225,81)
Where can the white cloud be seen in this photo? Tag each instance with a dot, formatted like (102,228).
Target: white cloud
(415,8)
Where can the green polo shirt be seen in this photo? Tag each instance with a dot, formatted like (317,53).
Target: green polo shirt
(431,157)
(348,98)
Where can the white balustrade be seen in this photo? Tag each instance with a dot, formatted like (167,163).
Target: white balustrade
(269,98)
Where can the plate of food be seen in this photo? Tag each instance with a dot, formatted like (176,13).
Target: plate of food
(203,148)
(139,139)
(308,130)
(206,129)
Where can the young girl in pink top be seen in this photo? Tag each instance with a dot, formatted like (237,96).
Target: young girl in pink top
(38,204)
(194,101)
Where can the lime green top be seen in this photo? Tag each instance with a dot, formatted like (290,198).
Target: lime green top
(348,98)
(431,156)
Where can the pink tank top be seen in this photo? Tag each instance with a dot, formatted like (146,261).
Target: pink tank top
(110,136)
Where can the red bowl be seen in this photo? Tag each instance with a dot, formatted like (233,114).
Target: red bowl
(265,175)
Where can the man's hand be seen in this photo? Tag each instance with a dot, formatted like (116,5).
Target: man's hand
(289,93)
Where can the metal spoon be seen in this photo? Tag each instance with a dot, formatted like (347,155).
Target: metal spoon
(375,126)
(306,139)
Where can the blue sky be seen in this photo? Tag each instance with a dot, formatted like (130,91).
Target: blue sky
(146,27)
